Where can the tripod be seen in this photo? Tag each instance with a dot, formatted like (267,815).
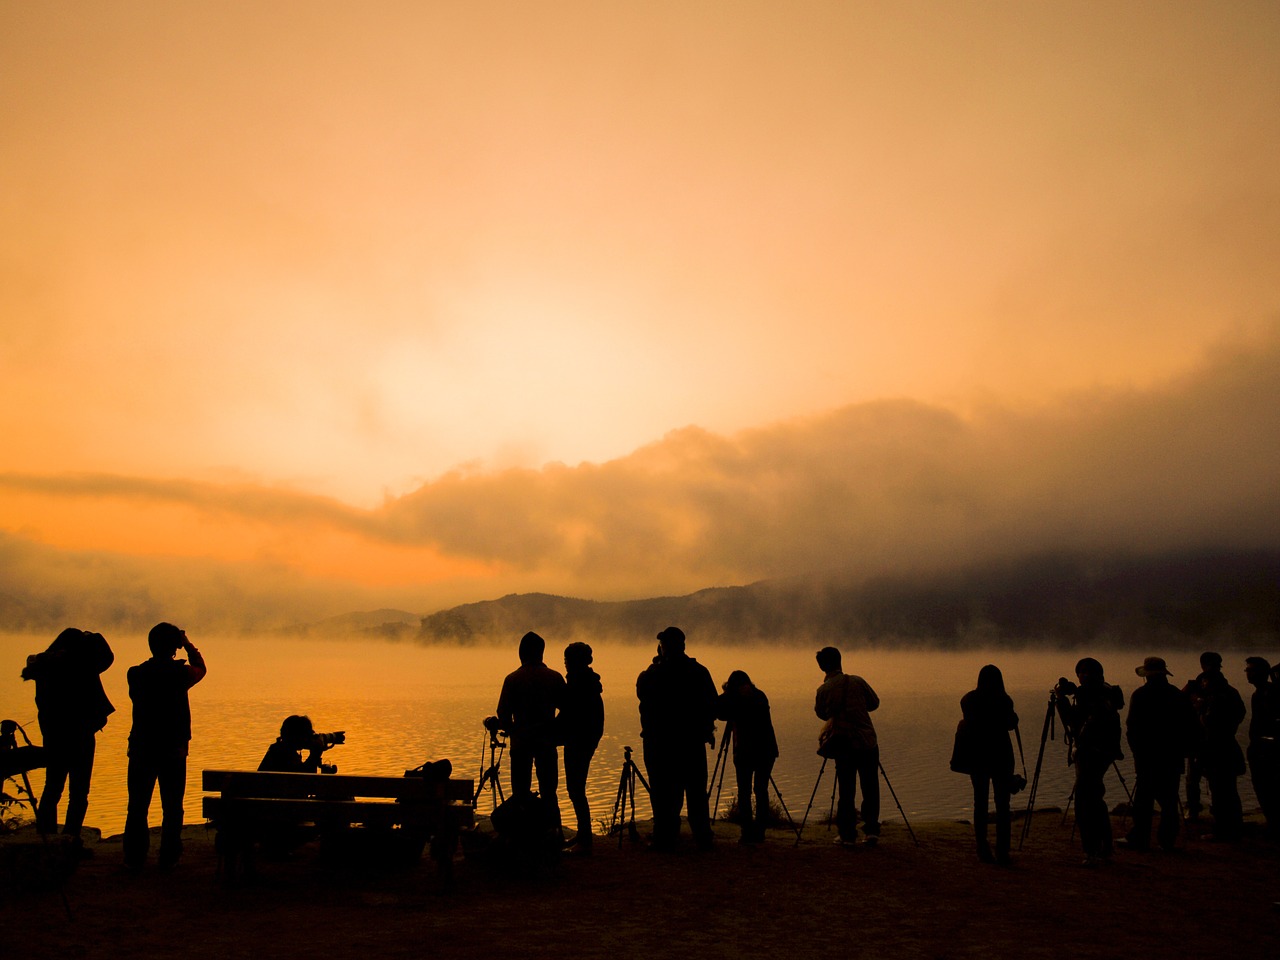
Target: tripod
(1046,733)
(722,764)
(627,794)
(893,793)
(489,775)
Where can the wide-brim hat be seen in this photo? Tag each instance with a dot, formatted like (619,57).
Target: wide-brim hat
(1153,667)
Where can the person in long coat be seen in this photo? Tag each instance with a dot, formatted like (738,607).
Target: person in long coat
(988,717)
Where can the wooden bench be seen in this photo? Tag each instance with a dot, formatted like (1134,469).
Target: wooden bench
(392,816)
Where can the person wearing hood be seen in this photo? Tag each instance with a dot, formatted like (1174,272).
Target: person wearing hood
(527,707)
(581,724)
(72,707)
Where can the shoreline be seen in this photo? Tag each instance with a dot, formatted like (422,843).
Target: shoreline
(778,899)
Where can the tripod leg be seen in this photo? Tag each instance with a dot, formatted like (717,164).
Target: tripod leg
(720,768)
(900,810)
(805,819)
(782,803)
(1035,780)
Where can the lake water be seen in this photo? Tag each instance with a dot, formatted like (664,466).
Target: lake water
(401,704)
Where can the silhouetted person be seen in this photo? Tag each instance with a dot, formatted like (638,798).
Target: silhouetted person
(1209,662)
(745,708)
(581,724)
(1160,728)
(298,736)
(846,702)
(988,718)
(677,722)
(1264,741)
(1091,714)
(1221,710)
(527,711)
(72,707)
(158,742)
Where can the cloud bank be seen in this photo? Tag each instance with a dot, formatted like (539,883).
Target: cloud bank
(890,487)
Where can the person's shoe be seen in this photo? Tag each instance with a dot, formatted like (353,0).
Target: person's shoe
(985,855)
(1125,843)
(842,842)
(871,841)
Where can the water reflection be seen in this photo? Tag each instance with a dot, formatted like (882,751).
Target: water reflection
(402,704)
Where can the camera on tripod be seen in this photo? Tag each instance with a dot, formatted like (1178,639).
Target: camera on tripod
(1065,688)
(494,726)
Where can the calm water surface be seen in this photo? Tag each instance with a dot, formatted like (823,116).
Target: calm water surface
(402,704)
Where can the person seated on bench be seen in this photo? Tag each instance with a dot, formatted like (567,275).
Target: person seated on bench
(296,735)
(285,756)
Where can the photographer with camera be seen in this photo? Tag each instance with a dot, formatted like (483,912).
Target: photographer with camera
(1091,714)
(1160,728)
(296,735)
(988,718)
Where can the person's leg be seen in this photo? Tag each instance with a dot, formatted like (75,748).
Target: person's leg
(694,770)
(1194,773)
(869,774)
(1091,809)
(763,773)
(80,772)
(173,790)
(981,786)
(57,762)
(520,761)
(1224,802)
(1144,797)
(846,804)
(577,763)
(1004,822)
(664,797)
(742,777)
(547,764)
(141,780)
(1168,778)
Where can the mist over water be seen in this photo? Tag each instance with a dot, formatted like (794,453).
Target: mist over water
(401,704)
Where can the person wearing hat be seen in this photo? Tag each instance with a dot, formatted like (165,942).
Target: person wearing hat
(677,721)
(1091,715)
(1160,729)
(1264,741)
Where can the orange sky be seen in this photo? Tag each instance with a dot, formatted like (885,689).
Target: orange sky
(321,288)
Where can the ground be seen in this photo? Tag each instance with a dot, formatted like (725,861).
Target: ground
(782,900)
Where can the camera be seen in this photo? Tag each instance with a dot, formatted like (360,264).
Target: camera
(494,726)
(1017,783)
(327,740)
(1065,687)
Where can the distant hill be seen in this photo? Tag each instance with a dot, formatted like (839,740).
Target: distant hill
(1225,598)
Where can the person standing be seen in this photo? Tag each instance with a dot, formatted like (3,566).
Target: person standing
(581,723)
(988,717)
(159,742)
(1209,663)
(1221,710)
(1160,728)
(527,707)
(846,702)
(677,721)
(71,708)
(1091,714)
(1264,741)
(745,708)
